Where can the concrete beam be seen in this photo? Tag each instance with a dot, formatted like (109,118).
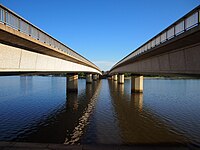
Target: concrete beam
(15,38)
(13,59)
(184,61)
(176,57)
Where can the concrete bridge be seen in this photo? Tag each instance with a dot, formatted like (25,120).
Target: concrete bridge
(175,51)
(24,48)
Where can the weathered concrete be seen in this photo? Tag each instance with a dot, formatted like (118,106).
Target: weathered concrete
(136,84)
(72,83)
(88,78)
(13,59)
(95,77)
(121,78)
(115,77)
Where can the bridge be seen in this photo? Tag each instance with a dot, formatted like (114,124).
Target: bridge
(27,49)
(173,52)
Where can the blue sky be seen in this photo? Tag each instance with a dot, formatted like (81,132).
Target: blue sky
(103,31)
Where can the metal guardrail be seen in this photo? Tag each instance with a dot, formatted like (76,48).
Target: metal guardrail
(187,22)
(11,19)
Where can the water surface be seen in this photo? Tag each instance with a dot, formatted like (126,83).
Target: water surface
(38,109)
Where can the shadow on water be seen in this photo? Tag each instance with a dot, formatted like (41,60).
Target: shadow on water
(136,123)
(60,123)
(83,121)
(38,109)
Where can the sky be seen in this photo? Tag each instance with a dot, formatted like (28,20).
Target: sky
(103,31)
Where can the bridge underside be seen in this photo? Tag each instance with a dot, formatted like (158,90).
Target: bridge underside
(179,56)
(12,37)
(15,60)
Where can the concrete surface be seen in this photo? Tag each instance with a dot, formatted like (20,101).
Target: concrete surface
(47,146)
(120,78)
(136,84)
(15,38)
(13,59)
(178,56)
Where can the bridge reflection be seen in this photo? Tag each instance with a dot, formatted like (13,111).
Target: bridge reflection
(137,98)
(61,122)
(120,117)
(138,124)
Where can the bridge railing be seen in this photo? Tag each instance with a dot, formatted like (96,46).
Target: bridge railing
(11,19)
(187,22)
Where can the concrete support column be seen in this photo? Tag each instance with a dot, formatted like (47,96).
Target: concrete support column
(98,76)
(115,77)
(136,84)
(95,77)
(88,78)
(72,83)
(121,78)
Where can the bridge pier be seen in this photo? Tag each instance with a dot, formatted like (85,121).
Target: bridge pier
(136,84)
(88,78)
(121,78)
(114,77)
(95,77)
(72,83)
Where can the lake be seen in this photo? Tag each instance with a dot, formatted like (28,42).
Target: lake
(38,109)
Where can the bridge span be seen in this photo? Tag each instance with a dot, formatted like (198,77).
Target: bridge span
(24,48)
(175,51)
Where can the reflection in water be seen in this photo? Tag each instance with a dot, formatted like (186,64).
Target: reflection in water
(138,99)
(26,83)
(120,89)
(88,90)
(72,101)
(83,120)
(38,109)
(62,127)
(114,85)
(133,122)
(103,127)
(42,111)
